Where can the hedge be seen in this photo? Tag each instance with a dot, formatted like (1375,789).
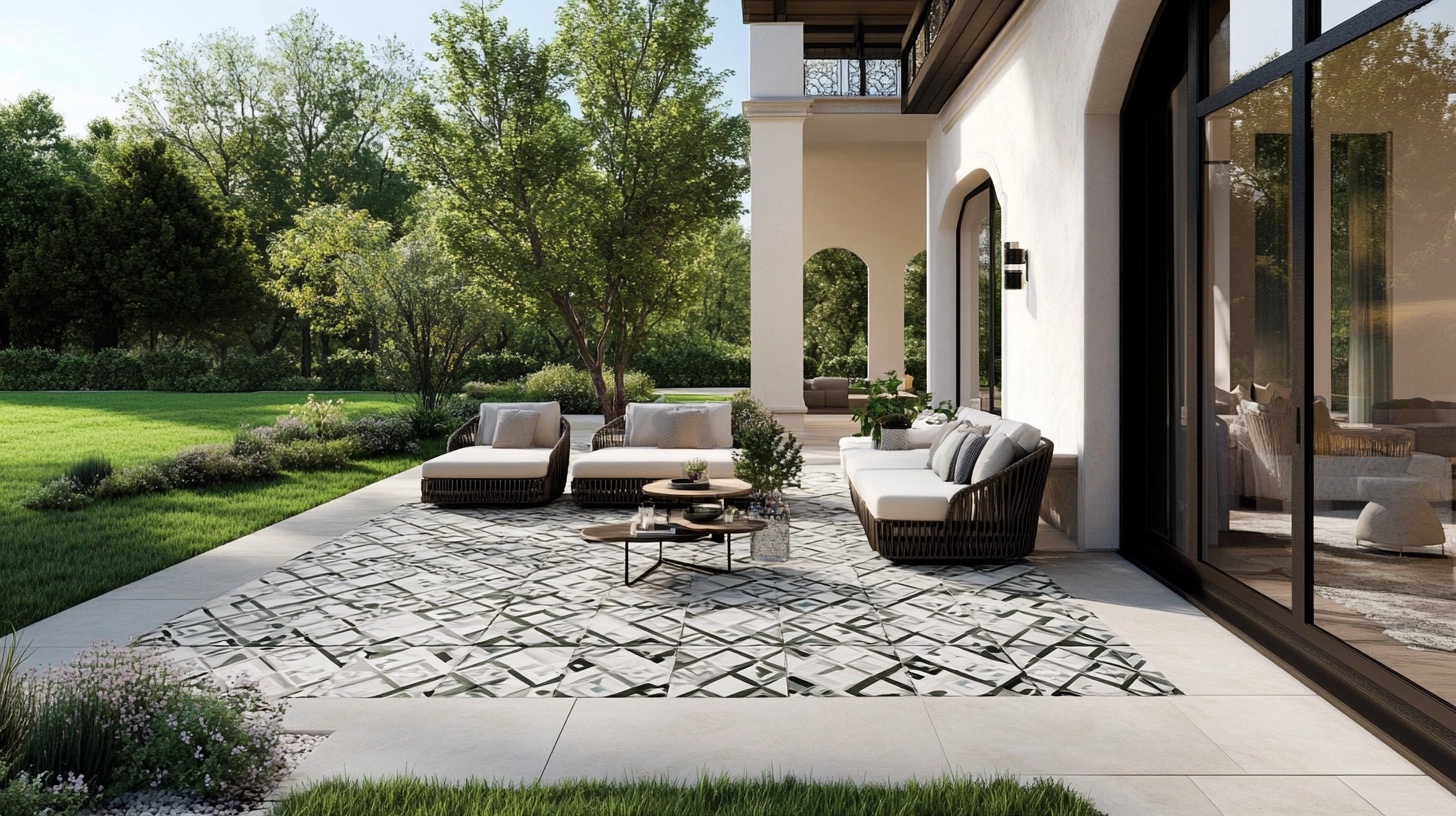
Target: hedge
(177,369)
(688,361)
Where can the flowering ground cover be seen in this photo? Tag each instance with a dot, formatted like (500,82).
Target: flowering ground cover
(54,560)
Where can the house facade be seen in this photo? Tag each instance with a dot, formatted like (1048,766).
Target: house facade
(1218,239)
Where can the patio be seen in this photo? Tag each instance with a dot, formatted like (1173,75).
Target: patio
(1074,664)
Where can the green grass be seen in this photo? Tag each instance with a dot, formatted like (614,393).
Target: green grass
(54,560)
(696,397)
(1002,796)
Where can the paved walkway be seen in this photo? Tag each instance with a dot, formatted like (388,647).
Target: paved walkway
(1244,737)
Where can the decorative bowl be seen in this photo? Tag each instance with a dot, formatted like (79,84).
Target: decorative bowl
(703,513)
(689,484)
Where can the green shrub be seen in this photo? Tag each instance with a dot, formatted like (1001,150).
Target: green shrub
(124,720)
(260,372)
(383,436)
(314,454)
(848,365)
(27,795)
(298,383)
(509,391)
(57,494)
(88,473)
(350,370)
(206,465)
(134,480)
(173,369)
(501,366)
(324,420)
(572,387)
(74,372)
(693,361)
(433,424)
(114,369)
(461,408)
(16,712)
(27,369)
(748,413)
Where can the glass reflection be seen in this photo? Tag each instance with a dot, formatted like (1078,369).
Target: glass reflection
(1385,344)
(1244,34)
(1246,269)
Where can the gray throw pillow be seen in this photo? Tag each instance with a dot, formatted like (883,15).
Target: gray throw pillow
(943,462)
(967,457)
(943,431)
(684,428)
(998,455)
(515,428)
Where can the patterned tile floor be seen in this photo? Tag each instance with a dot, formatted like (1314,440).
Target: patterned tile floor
(429,602)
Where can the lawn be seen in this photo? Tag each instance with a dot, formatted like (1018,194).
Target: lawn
(681,398)
(721,797)
(53,560)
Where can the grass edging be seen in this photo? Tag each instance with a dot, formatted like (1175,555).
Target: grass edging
(767,796)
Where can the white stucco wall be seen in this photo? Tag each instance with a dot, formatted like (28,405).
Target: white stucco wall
(1039,116)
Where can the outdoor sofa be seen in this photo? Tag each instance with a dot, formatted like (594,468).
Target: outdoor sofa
(477,469)
(639,448)
(912,513)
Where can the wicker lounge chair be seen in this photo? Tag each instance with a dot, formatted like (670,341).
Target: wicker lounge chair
(613,480)
(502,490)
(993,520)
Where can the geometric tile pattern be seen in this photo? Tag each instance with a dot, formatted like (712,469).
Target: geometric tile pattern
(503,602)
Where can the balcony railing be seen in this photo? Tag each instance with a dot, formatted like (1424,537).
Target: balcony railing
(851,77)
(927,28)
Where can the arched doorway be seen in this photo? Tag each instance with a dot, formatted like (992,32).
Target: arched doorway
(978,294)
(836,315)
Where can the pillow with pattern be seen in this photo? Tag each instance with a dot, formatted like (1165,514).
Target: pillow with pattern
(684,428)
(515,428)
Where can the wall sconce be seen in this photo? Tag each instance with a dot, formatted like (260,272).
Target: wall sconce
(1014,262)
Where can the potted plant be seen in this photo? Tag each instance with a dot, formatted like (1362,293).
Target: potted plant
(887,402)
(769,459)
(895,431)
(695,469)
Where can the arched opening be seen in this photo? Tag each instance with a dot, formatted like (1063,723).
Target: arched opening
(978,294)
(836,315)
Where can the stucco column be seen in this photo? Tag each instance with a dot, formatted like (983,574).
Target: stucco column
(776,112)
(886,336)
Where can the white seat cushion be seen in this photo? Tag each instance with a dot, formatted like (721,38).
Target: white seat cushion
(905,495)
(485,462)
(642,422)
(650,463)
(856,461)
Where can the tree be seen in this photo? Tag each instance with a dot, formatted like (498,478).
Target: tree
(431,317)
(722,310)
(148,254)
(37,165)
(604,218)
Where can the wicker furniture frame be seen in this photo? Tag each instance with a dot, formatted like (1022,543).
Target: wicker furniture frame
(609,492)
(466,492)
(993,520)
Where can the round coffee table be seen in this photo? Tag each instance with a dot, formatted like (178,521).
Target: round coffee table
(719,489)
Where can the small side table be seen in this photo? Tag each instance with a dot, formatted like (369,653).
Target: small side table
(718,532)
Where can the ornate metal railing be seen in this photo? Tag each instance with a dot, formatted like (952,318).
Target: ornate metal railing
(851,77)
(926,30)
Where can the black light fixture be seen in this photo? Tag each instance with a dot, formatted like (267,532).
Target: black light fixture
(1013,262)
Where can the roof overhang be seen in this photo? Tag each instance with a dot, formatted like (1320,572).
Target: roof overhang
(835,29)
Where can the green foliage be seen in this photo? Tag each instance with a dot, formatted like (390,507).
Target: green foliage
(207,465)
(768,796)
(511,391)
(24,795)
(88,473)
(747,412)
(686,360)
(16,712)
(886,401)
(113,369)
(314,454)
(500,367)
(56,494)
(438,423)
(769,458)
(383,436)
(573,388)
(173,369)
(350,370)
(324,420)
(27,369)
(836,306)
(853,366)
(134,480)
(602,219)
(722,312)
(260,372)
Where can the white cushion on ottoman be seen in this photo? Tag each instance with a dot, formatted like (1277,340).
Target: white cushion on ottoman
(485,462)
(905,495)
(650,463)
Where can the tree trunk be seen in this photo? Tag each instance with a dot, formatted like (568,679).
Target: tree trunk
(305,352)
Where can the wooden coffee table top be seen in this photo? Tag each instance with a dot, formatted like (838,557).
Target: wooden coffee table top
(686,530)
(716,489)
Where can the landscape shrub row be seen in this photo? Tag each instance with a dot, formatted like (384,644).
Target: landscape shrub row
(572,387)
(693,361)
(179,369)
(119,720)
(314,436)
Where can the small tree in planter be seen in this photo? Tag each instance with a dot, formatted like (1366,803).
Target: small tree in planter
(888,408)
(769,459)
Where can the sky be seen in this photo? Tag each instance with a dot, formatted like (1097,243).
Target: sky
(85,53)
